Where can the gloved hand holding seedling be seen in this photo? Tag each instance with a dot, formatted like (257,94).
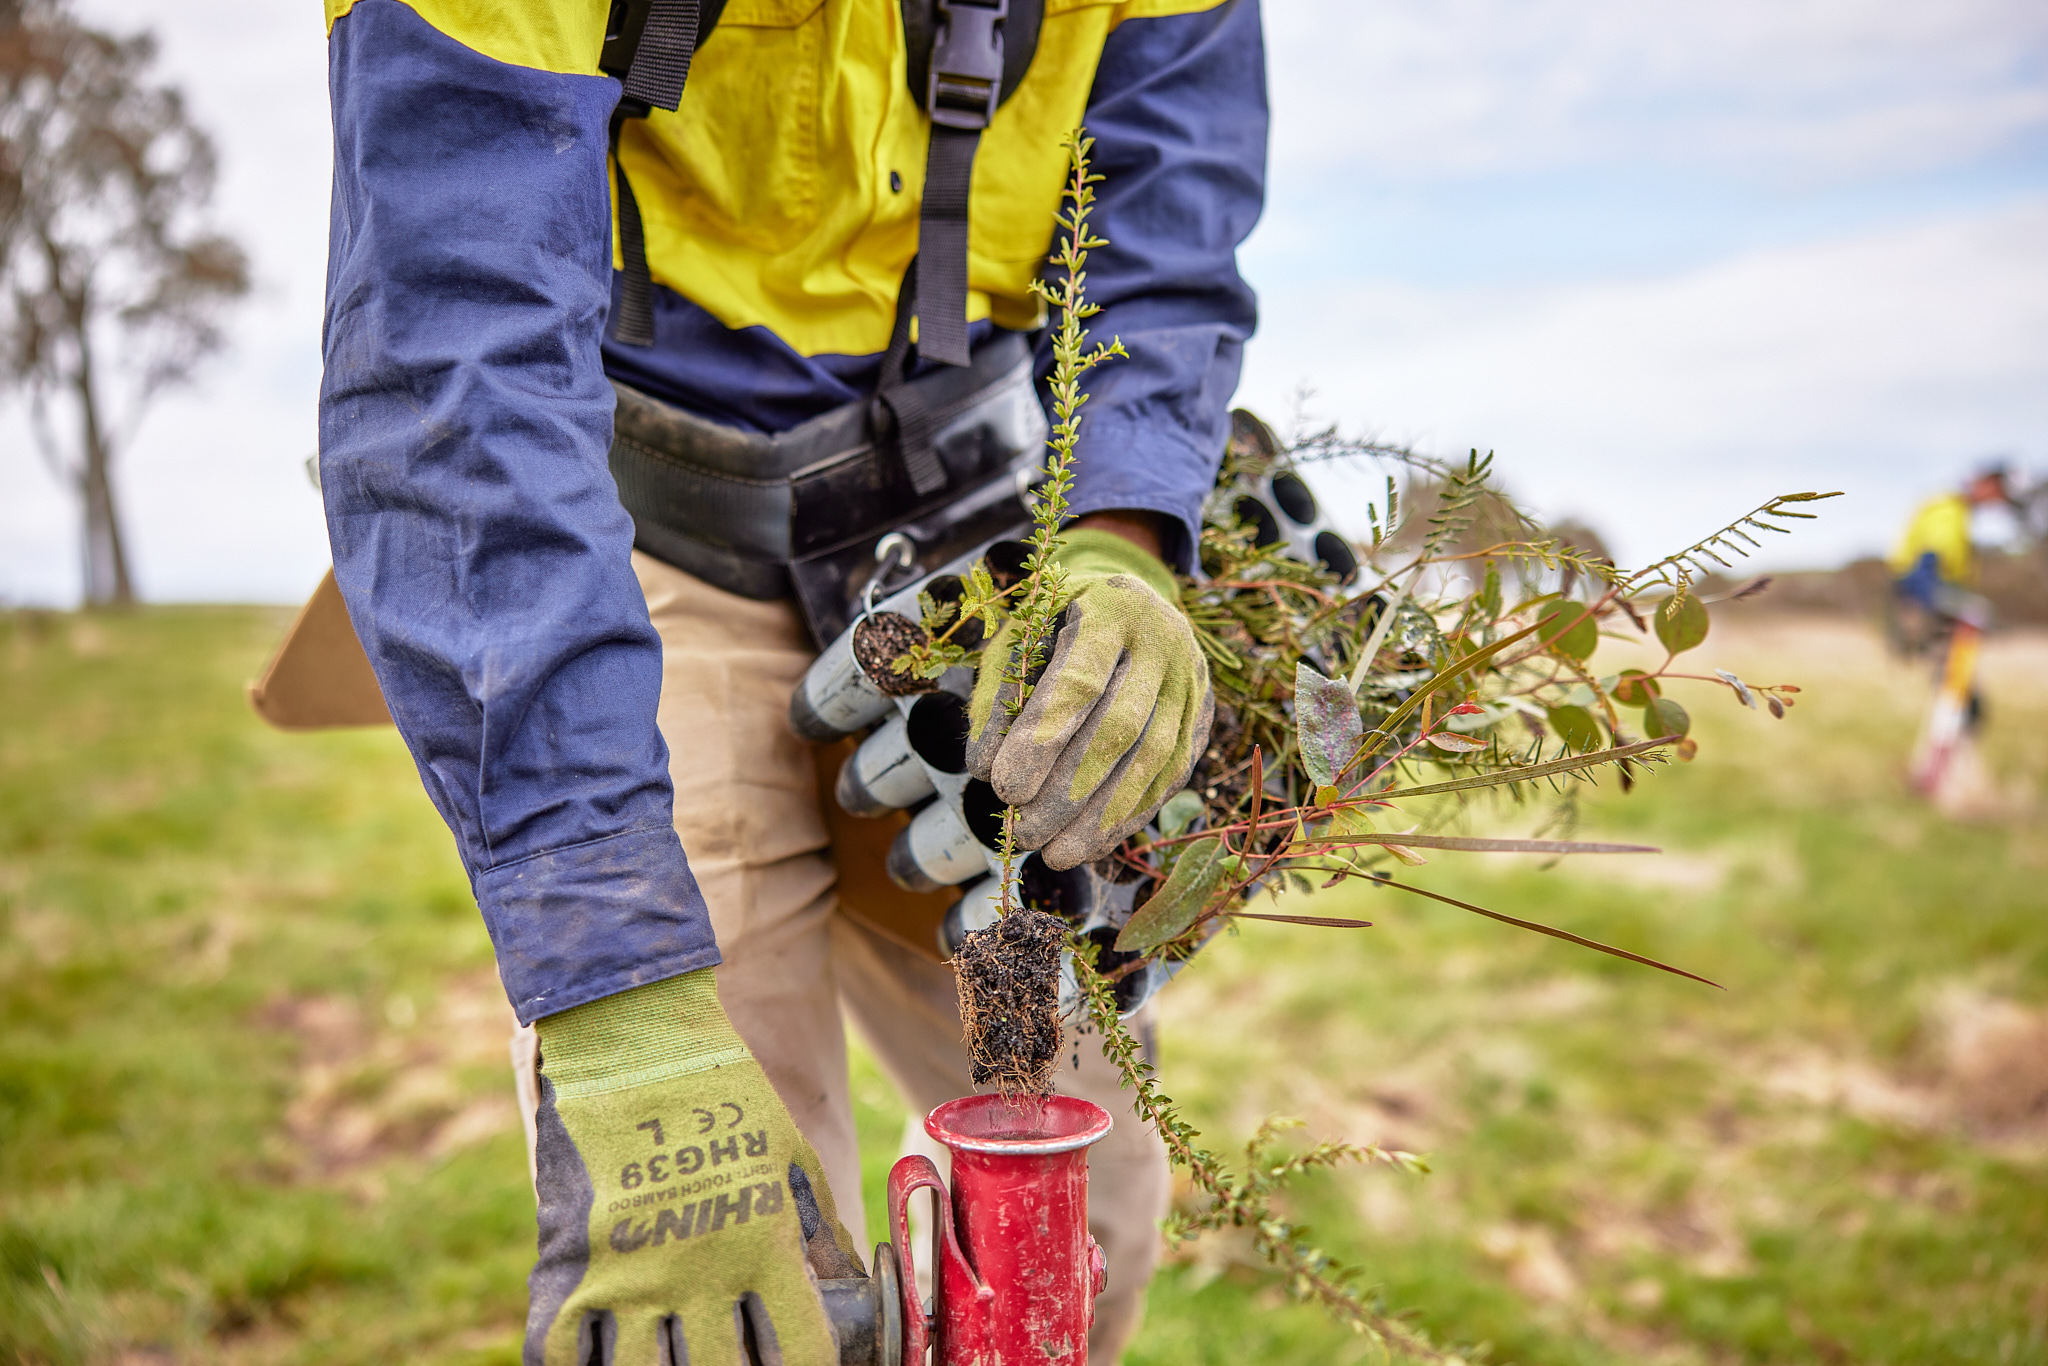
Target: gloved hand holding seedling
(1113,726)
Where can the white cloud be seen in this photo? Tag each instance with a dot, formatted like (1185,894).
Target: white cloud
(1762,89)
(1659,408)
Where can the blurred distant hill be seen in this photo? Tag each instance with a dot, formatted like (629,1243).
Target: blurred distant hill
(2016,583)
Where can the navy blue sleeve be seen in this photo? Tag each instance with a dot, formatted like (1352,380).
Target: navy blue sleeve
(477,535)
(1178,114)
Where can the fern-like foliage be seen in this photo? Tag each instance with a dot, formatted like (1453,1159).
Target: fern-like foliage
(1732,542)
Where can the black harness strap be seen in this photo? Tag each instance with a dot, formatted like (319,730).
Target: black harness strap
(633,320)
(960,68)
(963,86)
(963,63)
(942,245)
(661,60)
(901,414)
(648,45)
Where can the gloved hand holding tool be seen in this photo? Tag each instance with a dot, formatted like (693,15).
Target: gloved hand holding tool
(1114,725)
(678,1202)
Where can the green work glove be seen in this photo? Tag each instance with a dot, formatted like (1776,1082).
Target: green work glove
(1115,724)
(678,1203)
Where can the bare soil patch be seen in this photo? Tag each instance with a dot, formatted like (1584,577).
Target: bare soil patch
(374,1087)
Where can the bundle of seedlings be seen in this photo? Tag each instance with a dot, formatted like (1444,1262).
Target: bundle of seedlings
(1373,701)
(1359,722)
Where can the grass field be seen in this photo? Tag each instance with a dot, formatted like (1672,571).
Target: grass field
(253,1103)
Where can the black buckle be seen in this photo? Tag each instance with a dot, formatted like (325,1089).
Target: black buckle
(622,30)
(966,79)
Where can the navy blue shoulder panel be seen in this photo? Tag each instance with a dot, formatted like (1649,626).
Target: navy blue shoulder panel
(1178,114)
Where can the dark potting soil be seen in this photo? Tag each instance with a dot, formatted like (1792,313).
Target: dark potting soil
(878,641)
(1009,1001)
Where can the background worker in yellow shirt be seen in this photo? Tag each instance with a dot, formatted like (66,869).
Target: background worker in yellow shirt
(1935,604)
(1934,565)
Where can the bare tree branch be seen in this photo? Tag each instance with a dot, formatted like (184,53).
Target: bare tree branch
(110,287)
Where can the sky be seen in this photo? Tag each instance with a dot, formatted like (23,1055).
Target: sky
(1664,261)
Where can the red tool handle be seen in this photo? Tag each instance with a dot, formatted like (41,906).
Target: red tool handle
(910,1175)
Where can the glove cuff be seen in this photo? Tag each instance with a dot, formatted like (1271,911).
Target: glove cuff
(1093,551)
(638,1037)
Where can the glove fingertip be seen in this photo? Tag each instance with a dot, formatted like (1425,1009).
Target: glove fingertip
(1065,851)
(1018,775)
(1039,823)
(1083,842)
(980,764)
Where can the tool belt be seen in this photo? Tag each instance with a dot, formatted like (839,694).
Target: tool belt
(798,514)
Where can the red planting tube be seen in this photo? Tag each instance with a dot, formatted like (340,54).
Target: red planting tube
(1016,1273)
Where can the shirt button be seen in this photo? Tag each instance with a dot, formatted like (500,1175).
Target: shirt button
(896,182)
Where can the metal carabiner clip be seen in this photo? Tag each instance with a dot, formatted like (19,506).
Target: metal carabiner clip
(896,547)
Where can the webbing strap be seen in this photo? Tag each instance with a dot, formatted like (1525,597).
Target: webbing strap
(910,417)
(633,320)
(661,64)
(896,356)
(963,86)
(659,71)
(942,245)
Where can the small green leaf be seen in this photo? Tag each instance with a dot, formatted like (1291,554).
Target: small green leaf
(1635,688)
(1348,820)
(1326,717)
(1346,825)
(1174,907)
(1450,742)
(1682,625)
(1576,727)
(936,615)
(1180,812)
(1326,794)
(1580,633)
(1665,717)
(1489,592)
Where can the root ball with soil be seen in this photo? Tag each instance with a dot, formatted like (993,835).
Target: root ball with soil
(1009,978)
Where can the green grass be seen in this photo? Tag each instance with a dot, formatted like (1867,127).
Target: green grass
(253,1105)
(1838,1158)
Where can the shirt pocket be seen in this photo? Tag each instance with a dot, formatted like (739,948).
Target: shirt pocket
(742,152)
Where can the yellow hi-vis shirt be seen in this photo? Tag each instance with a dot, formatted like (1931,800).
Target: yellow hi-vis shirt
(1941,527)
(766,196)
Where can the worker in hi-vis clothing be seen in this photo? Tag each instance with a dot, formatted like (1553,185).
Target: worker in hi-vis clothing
(1935,604)
(644,323)
(1934,565)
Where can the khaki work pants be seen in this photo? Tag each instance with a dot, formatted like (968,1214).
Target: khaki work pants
(747,809)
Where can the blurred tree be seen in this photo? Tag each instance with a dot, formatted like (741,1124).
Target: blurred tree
(109,290)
